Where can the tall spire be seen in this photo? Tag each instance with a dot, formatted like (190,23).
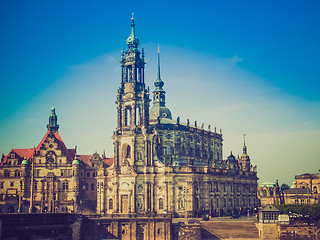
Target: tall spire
(244,144)
(159,108)
(132,41)
(53,121)
(159,83)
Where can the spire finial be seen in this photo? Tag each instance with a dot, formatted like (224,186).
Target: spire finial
(132,17)
(132,40)
(159,78)
(244,144)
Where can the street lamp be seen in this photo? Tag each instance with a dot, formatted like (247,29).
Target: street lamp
(20,196)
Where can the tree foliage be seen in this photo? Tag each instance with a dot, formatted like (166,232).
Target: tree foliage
(284,187)
(305,210)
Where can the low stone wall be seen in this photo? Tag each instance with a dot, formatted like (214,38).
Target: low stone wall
(268,230)
(190,231)
(299,232)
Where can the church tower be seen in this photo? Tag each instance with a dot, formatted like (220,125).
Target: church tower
(245,159)
(133,97)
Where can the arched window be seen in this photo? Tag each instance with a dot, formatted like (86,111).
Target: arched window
(168,149)
(315,189)
(110,203)
(127,117)
(264,193)
(138,116)
(127,151)
(161,203)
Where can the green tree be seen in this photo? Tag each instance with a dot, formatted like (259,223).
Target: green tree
(284,187)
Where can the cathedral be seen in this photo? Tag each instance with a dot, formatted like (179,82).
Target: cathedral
(161,169)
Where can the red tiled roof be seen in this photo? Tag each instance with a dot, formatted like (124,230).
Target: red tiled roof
(108,161)
(29,152)
(84,158)
(69,152)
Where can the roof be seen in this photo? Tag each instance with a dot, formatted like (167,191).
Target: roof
(84,158)
(266,184)
(28,153)
(108,161)
(269,208)
(70,152)
(297,191)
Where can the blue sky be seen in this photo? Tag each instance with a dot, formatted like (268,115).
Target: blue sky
(245,66)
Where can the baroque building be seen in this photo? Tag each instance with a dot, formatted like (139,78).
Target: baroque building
(164,166)
(49,177)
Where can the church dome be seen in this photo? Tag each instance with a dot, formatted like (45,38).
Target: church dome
(132,40)
(25,162)
(158,111)
(75,161)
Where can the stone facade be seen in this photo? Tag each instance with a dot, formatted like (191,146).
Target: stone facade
(49,177)
(270,193)
(305,190)
(162,166)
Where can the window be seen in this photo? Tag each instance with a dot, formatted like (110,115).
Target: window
(264,193)
(169,150)
(11,184)
(315,190)
(138,116)
(127,116)
(6,173)
(127,151)
(88,174)
(35,185)
(161,203)
(92,186)
(1,185)
(65,186)
(110,203)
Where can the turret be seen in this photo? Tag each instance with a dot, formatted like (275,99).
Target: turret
(245,159)
(53,121)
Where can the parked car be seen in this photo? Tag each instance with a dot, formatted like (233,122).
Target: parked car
(206,217)
(235,216)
